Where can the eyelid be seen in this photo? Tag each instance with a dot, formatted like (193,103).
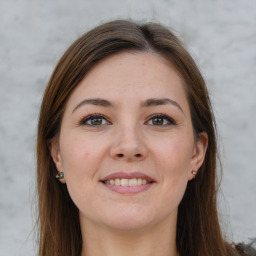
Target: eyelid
(164,116)
(84,119)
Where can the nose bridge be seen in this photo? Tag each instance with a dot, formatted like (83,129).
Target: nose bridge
(128,142)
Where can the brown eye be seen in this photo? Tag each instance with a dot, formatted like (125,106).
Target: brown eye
(157,121)
(161,120)
(94,120)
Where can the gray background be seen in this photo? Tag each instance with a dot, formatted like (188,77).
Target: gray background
(221,36)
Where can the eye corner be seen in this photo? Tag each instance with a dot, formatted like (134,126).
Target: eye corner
(161,120)
(97,120)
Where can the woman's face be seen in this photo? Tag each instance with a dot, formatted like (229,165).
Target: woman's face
(126,124)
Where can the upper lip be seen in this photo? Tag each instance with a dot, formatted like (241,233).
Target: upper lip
(128,175)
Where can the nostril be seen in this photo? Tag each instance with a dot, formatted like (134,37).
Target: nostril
(128,156)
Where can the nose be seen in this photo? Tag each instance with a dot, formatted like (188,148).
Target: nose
(128,145)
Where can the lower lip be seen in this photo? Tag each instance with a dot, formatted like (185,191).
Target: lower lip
(129,189)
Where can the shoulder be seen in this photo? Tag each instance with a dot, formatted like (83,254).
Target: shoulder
(246,249)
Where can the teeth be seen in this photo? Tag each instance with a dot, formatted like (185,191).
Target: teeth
(117,182)
(133,182)
(124,182)
(127,182)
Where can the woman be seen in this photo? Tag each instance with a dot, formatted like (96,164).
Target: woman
(126,149)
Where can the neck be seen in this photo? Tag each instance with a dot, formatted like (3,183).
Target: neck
(159,240)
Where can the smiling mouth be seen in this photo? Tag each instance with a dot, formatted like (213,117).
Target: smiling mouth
(127,182)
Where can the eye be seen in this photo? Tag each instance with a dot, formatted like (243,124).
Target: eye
(94,120)
(161,120)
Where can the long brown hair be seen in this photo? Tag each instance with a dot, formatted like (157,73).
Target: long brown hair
(198,229)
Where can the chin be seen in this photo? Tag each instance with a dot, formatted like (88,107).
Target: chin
(128,220)
(127,225)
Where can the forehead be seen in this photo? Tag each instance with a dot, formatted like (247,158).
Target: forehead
(130,76)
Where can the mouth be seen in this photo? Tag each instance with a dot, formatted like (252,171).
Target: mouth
(128,183)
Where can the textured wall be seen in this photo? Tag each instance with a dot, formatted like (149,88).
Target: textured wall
(221,35)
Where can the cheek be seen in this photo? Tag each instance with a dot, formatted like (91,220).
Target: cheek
(81,159)
(174,155)
(173,159)
(80,154)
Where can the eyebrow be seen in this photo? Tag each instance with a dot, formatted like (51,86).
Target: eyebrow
(159,102)
(147,103)
(95,102)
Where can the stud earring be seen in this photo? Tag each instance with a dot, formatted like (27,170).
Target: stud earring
(194,172)
(60,175)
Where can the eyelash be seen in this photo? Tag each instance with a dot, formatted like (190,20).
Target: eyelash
(170,120)
(91,117)
(84,120)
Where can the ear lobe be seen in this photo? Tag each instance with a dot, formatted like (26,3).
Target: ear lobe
(199,152)
(56,157)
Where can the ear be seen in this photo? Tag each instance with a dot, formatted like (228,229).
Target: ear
(198,154)
(56,157)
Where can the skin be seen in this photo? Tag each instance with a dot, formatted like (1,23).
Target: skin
(128,138)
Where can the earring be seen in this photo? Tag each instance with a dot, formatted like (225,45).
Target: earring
(194,172)
(60,175)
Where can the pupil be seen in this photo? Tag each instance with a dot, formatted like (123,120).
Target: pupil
(158,121)
(96,121)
